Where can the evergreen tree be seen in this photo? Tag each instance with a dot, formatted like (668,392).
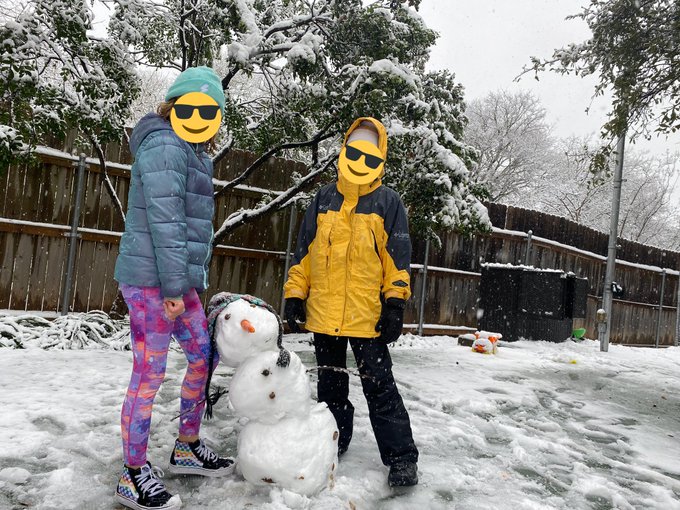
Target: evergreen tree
(309,69)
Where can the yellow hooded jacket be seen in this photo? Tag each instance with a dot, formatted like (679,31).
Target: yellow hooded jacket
(353,248)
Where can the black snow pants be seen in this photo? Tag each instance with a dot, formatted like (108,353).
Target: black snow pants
(386,410)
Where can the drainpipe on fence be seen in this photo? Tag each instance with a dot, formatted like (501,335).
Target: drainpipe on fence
(291,224)
(658,319)
(73,238)
(611,249)
(526,256)
(421,311)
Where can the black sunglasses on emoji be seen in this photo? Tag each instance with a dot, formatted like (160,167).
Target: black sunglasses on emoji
(185,111)
(353,154)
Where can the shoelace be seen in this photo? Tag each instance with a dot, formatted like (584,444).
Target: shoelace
(206,452)
(148,481)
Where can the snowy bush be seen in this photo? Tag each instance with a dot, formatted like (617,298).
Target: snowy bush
(92,330)
(55,75)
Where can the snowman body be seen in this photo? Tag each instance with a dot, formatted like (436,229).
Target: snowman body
(243,329)
(289,440)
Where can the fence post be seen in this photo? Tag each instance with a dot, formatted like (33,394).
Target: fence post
(677,316)
(73,238)
(289,245)
(526,256)
(421,312)
(658,319)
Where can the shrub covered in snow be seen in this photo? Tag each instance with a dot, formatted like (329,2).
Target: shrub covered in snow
(55,75)
(92,330)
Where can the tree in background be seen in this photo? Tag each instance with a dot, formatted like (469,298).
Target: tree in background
(523,165)
(513,138)
(634,52)
(54,75)
(566,189)
(648,211)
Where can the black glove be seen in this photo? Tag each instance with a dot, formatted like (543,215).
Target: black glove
(294,309)
(391,320)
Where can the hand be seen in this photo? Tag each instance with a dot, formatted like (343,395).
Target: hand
(173,308)
(294,309)
(391,320)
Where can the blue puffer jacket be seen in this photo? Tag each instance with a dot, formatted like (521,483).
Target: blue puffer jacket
(168,228)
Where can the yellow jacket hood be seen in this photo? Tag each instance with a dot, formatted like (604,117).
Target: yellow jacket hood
(349,189)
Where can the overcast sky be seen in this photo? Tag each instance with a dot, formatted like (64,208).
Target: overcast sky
(487,42)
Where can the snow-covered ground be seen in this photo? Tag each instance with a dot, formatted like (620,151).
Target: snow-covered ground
(538,426)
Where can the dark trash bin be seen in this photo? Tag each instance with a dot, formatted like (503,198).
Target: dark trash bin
(522,302)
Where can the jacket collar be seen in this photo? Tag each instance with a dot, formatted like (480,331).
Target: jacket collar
(352,192)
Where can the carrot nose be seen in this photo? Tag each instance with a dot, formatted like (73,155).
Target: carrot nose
(245,324)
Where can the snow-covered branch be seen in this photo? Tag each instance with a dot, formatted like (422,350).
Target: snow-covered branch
(282,200)
(323,134)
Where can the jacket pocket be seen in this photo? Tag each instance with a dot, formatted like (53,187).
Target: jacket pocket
(320,254)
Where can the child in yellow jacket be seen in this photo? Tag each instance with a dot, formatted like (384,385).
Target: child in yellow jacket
(351,267)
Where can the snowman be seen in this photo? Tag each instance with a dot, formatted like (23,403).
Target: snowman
(289,440)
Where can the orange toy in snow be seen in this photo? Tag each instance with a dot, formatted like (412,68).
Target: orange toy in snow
(486,342)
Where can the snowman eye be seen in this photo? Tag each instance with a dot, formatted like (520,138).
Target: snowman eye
(252,306)
(227,316)
(265,372)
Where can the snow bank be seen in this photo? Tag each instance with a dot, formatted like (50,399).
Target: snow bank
(537,426)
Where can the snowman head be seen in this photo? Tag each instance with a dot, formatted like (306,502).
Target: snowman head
(242,329)
(269,386)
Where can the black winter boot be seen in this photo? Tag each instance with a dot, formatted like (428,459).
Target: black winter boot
(403,474)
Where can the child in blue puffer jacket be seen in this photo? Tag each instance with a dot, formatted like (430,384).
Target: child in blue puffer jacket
(161,267)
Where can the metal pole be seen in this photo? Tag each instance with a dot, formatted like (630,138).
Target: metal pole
(73,238)
(611,250)
(421,311)
(677,316)
(526,257)
(658,319)
(291,224)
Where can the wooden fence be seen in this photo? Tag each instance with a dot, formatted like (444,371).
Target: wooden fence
(36,205)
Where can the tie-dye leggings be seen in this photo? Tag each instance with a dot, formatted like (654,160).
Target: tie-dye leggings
(151,332)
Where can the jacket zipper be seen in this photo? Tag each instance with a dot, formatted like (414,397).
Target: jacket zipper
(212,230)
(207,257)
(348,271)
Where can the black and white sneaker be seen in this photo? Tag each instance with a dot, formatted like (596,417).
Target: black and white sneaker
(198,459)
(141,489)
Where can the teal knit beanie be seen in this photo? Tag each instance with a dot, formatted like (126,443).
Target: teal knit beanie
(198,79)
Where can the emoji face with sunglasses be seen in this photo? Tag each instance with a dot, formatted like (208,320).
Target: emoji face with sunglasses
(195,117)
(361,162)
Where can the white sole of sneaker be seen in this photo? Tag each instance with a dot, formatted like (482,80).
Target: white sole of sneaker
(174,503)
(214,473)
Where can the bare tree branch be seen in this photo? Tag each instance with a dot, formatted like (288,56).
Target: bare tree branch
(243,216)
(321,135)
(107,181)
